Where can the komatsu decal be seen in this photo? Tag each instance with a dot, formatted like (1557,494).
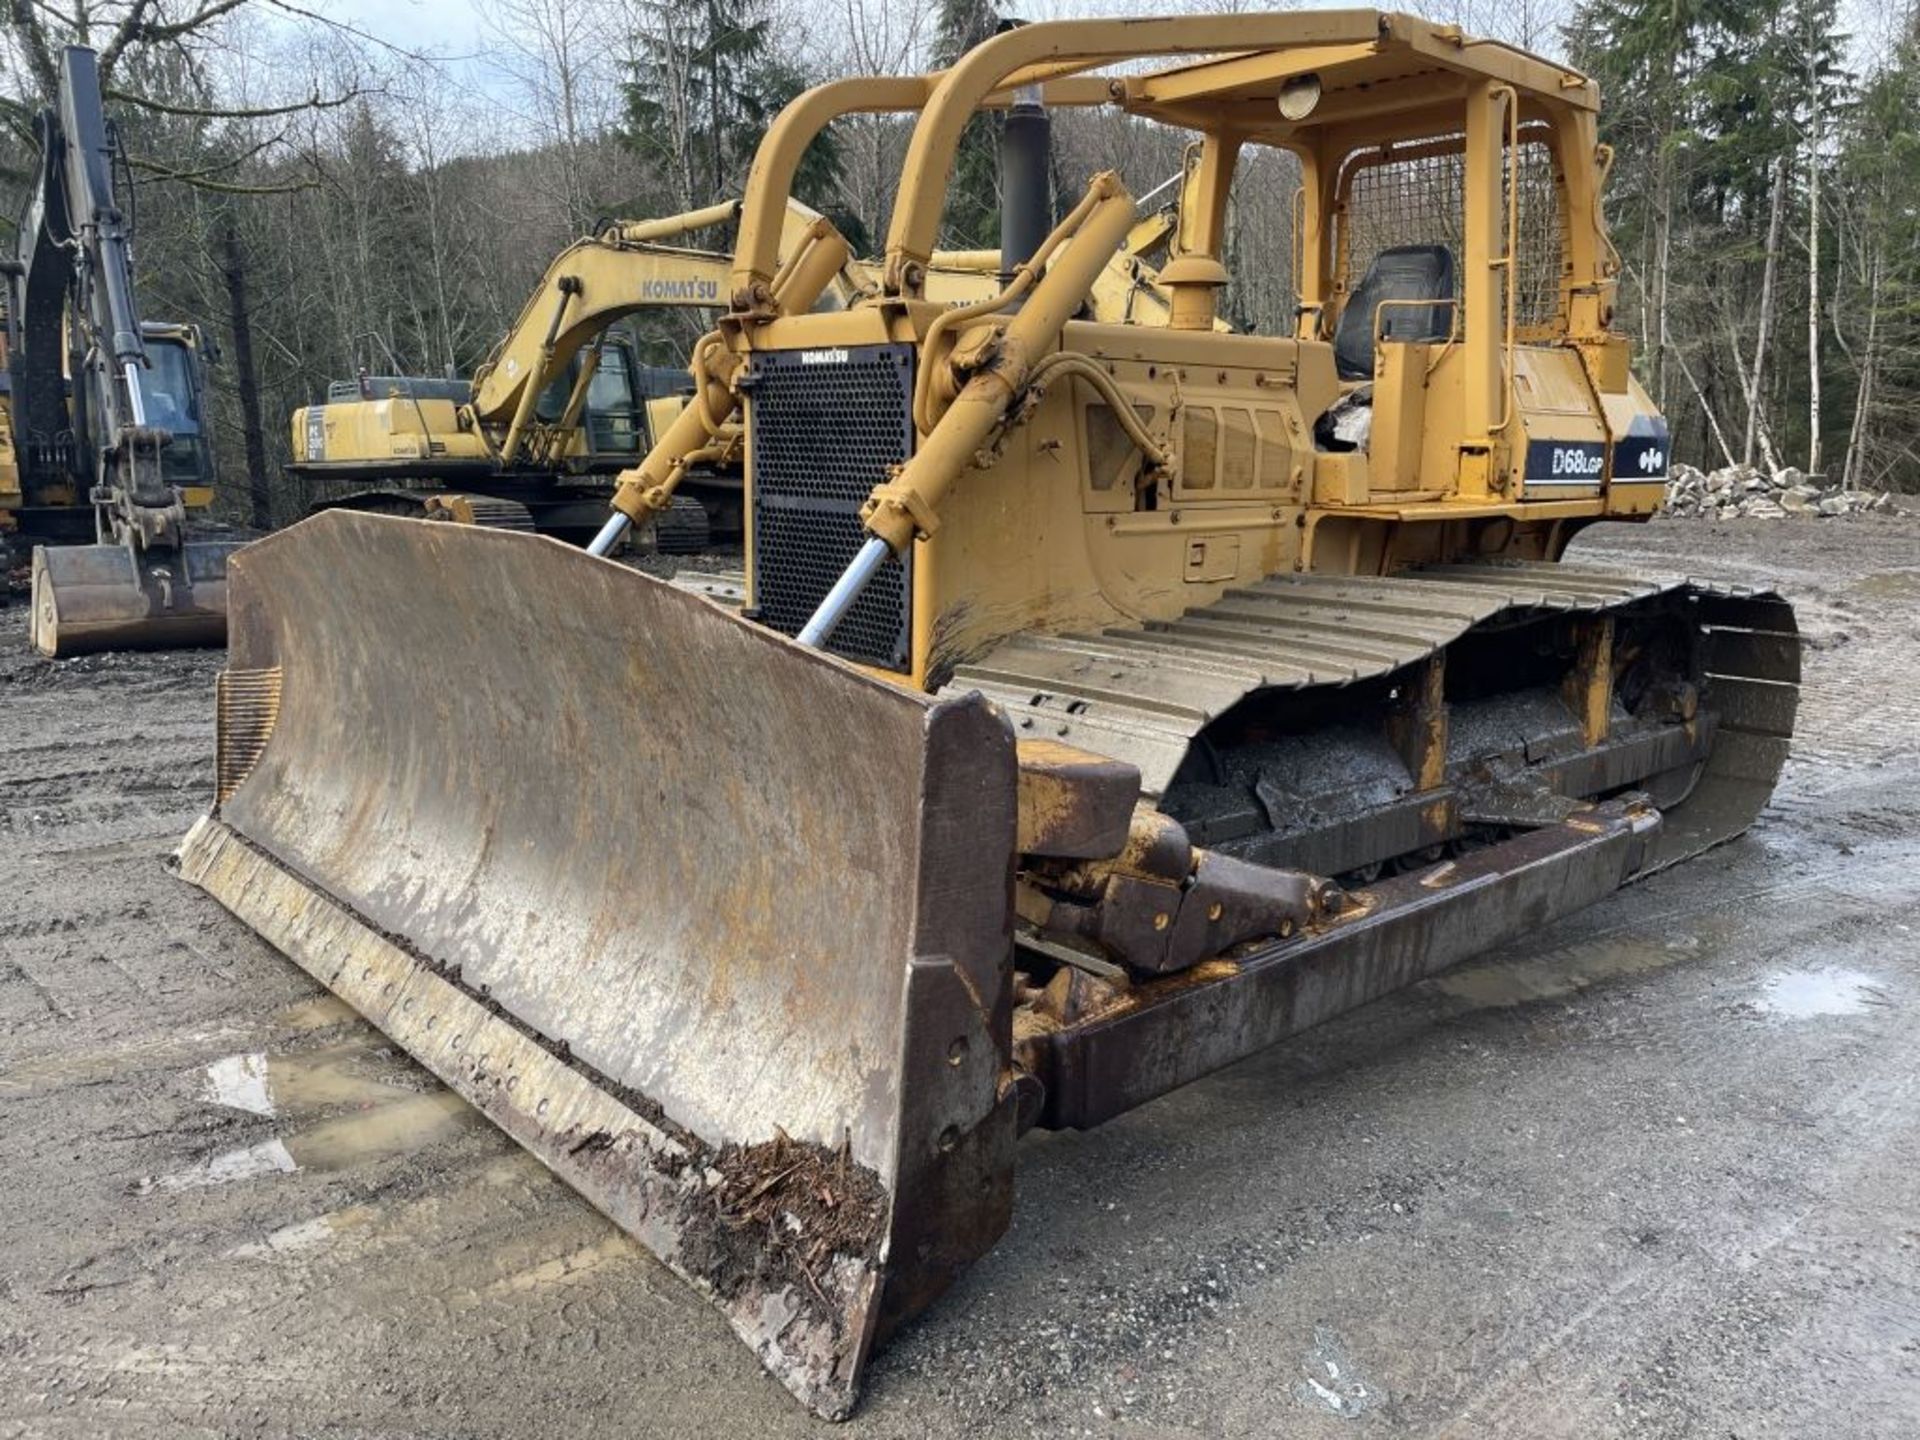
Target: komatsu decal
(1643,453)
(700,292)
(1565,462)
(823,357)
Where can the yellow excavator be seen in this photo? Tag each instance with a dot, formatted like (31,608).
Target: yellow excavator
(534,440)
(563,403)
(108,441)
(1107,701)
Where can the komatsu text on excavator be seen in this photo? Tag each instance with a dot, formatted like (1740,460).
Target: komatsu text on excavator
(1108,701)
(110,435)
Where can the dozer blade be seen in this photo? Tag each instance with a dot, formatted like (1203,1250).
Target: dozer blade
(717,927)
(99,597)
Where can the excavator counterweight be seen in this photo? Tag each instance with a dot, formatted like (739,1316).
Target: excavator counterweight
(1103,701)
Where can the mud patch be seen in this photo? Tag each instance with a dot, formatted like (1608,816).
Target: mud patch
(783,1215)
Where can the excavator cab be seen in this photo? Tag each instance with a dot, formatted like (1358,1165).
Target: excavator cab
(173,388)
(616,407)
(613,418)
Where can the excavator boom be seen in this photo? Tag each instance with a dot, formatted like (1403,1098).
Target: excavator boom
(120,431)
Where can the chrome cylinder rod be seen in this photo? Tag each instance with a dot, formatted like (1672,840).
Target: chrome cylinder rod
(853,580)
(610,533)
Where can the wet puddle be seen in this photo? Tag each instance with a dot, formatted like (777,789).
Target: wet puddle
(382,1132)
(1890,585)
(305,1234)
(240,1083)
(321,1012)
(269,1157)
(263,1085)
(1810,994)
(379,1133)
(1332,1383)
(385,1116)
(617,1248)
(1563,972)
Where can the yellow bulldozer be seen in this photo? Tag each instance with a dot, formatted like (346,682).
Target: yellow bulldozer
(1108,701)
(564,403)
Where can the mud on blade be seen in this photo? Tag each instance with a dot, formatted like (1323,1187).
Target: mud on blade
(716,927)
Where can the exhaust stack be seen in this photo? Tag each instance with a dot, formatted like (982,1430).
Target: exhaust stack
(1026,191)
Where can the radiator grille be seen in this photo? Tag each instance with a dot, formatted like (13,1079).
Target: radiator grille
(823,428)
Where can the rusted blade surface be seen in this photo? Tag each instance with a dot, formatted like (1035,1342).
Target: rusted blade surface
(95,597)
(720,926)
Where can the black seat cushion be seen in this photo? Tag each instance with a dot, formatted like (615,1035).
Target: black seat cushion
(1404,272)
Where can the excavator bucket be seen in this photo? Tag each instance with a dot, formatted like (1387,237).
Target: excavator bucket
(717,927)
(104,597)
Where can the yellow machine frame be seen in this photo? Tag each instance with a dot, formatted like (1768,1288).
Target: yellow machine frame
(1111,700)
(1454,422)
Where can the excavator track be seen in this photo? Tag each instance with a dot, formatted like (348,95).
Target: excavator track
(1350,724)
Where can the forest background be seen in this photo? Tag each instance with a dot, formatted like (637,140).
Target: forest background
(325,194)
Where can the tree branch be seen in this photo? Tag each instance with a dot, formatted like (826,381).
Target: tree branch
(199,180)
(202,179)
(174,29)
(33,40)
(264,112)
(302,13)
(122,34)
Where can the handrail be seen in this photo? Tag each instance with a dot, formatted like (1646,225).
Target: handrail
(1453,325)
(763,205)
(1068,44)
(1511,259)
(1297,253)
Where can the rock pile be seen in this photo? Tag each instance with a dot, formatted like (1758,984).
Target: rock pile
(1745,491)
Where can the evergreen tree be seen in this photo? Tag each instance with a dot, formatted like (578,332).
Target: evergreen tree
(972,219)
(706,83)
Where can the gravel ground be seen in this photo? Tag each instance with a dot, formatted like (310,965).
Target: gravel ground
(1649,1174)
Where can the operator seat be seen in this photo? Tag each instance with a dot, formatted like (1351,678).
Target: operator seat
(1401,272)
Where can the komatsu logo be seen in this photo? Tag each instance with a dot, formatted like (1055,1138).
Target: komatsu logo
(823,357)
(1575,462)
(694,290)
